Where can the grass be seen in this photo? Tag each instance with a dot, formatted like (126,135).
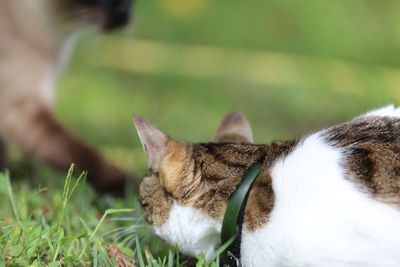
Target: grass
(55,235)
(62,235)
(290,66)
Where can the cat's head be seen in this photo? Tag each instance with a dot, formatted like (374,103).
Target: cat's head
(185,194)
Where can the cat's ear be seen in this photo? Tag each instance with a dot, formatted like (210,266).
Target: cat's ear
(153,140)
(235,128)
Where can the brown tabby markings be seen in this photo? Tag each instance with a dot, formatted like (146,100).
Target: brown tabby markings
(160,188)
(233,138)
(222,167)
(373,154)
(156,202)
(172,167)
(209,175)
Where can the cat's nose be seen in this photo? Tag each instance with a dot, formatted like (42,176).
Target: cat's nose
(118,12)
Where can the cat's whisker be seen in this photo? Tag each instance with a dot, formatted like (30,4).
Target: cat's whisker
(124,219)
(140,218)
(113,231)
(129,231)
(127,235)
(124,230)
(120,235)
(133,219)
(128,241)
(131,241)
(146,237)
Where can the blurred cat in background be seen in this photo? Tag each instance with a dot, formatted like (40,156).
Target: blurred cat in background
(35,44)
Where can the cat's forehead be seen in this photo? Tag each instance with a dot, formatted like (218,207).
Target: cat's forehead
(225,161)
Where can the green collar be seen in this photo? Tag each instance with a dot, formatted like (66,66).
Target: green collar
(231,226)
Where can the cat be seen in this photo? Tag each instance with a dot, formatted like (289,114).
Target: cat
(331,198)
(35,43)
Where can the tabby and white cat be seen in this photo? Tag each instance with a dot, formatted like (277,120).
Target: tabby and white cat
(331,198)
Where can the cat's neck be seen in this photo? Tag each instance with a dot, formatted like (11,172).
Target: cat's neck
(261,197)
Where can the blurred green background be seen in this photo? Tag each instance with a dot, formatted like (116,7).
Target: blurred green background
(290,66)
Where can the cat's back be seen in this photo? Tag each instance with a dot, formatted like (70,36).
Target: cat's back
(336,198)
(370,146)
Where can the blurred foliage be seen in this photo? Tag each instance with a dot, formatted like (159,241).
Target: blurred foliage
(359,40)
(365,31)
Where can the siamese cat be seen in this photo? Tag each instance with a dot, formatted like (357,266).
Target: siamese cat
(34,45)
(331,198)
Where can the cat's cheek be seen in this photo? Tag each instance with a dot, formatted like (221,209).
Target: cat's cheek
(193,231)
(155,202)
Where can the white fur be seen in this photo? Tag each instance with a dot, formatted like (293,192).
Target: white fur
(193,231)
(388,111)
(320,218)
